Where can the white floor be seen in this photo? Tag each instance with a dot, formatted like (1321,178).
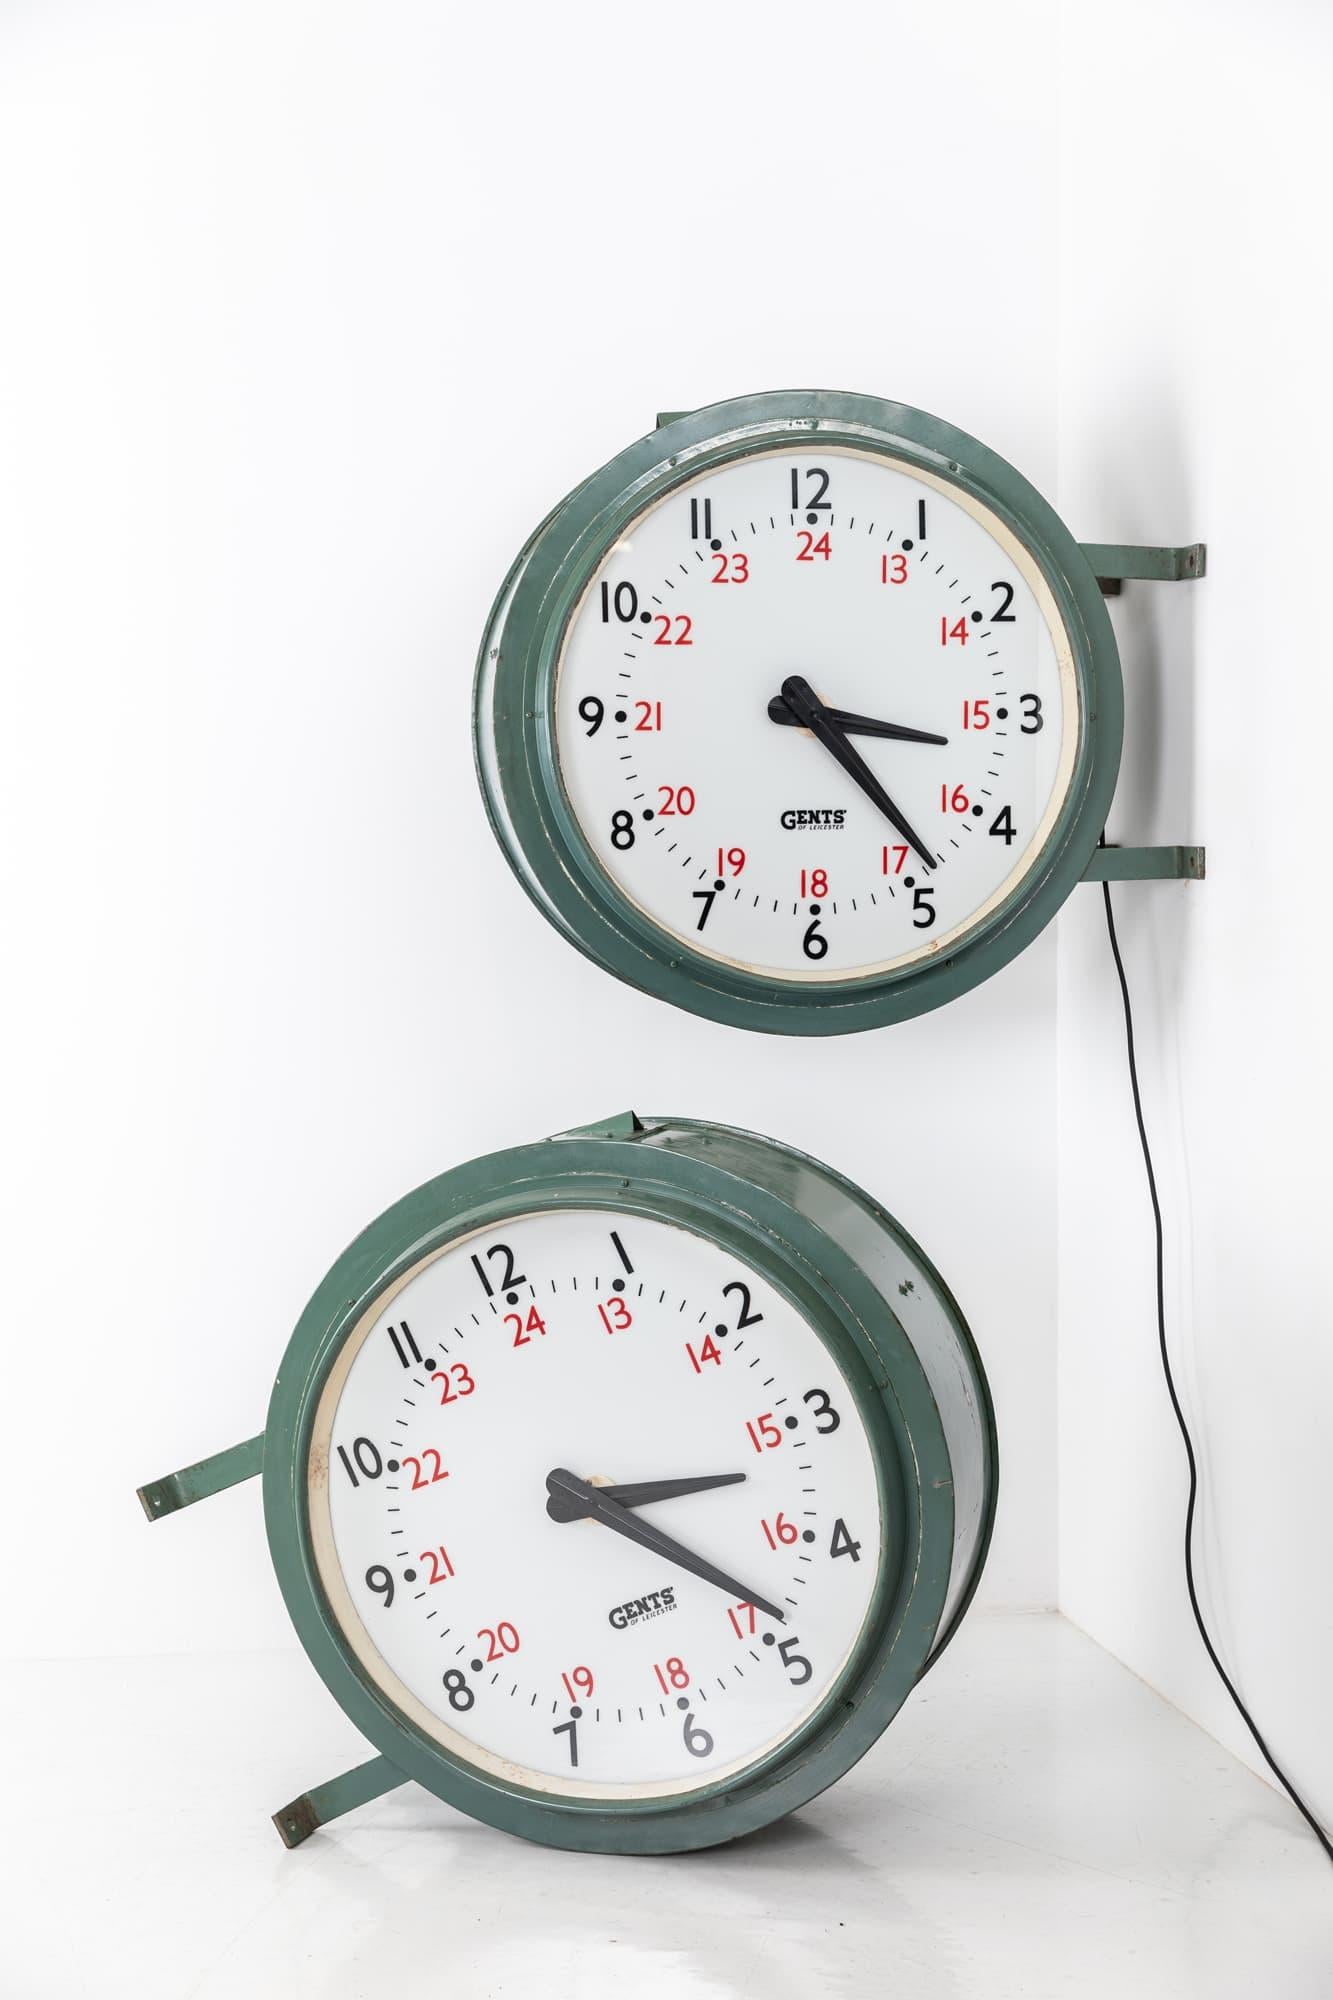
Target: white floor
(1036,1823)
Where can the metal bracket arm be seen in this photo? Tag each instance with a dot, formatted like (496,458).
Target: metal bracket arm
(1145,864)
(199,1482)
(1114,563)
(354,1788)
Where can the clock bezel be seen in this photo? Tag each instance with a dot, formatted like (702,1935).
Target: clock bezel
(902,1628)
(514,728)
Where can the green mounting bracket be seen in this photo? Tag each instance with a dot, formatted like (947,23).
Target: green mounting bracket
(625,1125)
(665,417)
(344,1794)
(1145,864)
(199,1482)
(1114,563)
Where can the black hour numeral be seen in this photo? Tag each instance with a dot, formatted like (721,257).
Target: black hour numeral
(701,520)
(745,1317)
(815,942)
(591,712)
(822,1408)
(921,520)
(623,601)
(621,1251)
(622,830)
(1032,718)
(696,1739)
(404,1346)
(380,1580)
(923,906)
(365,1459)
(1004,616)
(842,1543)
(460,1694)
(814,502)
(790,1658)
(571,1730)
(1002,826)
(510,1278)
(707,897)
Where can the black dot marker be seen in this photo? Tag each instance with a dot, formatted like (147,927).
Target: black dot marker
(909,881)
(791,1422)
(814,909)
(409,1576)
(617,1284)
(907,543)
(976,618)
(576,1713)
(807,1534)
(721,1332)
(647,812)
(715,544)
(645,618)
(769,1640)
(393,1465)
(430,1365)
(719,884)
(812,520)
(1001,715)
(682,1701)
(977,812)
(621,716)
(476,1666)
(511,1298)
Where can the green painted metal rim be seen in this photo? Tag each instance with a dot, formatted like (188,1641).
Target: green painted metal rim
(881,1368)
(515,684)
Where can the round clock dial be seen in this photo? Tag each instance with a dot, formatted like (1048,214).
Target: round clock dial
(477,1416)
(803,713)
(816,585)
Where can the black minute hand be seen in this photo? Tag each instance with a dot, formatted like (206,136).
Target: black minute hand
(593,1505)
(810,711)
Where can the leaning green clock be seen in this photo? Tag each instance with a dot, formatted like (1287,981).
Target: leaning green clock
(805,712)
(621,1486)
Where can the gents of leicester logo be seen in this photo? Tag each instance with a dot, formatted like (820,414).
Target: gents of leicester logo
(655,1605)
(827,819)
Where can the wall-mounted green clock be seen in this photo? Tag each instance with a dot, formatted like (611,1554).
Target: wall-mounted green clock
(805,712)
(621,1486)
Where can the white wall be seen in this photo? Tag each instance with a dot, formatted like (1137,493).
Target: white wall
(1195,404)
(311,312)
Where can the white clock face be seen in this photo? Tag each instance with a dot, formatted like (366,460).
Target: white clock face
(873,591)
(587,1351)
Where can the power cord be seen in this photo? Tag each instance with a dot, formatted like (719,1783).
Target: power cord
(1192,1502)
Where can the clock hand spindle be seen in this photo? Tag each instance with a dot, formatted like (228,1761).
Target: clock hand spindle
(562,1484)
(809,710)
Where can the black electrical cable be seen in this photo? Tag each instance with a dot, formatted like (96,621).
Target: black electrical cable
(1192,1502)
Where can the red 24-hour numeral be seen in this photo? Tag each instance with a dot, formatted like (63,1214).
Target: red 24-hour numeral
(731,569)
(814,882)
(742,1620)
(578,1681)
(899,856)
(671,1674)
(764,1432)
(710,1351)
(615,1314)
(503,1639)
(441,1569)
(955,801)
(454,1382)
(676,799)
(976,714)
(664,635)
(649,715)
(730,860)
(958,631)
(893,569)
(420,1477)
(780,1532)
(525,1328)
(810,548)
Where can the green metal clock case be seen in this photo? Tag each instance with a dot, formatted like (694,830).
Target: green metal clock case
(514,733)
(884,1312)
